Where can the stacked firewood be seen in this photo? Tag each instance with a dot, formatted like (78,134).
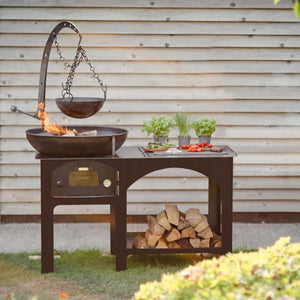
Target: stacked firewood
(172,228)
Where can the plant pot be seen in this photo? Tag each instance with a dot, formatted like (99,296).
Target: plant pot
(204,139)
(182,140)
(161,139)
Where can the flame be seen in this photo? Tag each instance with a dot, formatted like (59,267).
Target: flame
(49,126)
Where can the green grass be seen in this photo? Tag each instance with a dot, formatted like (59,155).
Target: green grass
(85,273)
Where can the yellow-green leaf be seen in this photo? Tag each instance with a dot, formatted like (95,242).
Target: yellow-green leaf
(297,8)
(276,1)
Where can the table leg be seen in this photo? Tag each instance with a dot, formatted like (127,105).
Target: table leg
(121,232)
(214,203)
(112,229)
(47,252)
(226,198)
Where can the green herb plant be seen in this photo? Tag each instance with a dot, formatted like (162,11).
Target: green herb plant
(204,127)
(184,124)
(160,127)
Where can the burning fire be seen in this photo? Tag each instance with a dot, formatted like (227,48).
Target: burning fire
(49,126)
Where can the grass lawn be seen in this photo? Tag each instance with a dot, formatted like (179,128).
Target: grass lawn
(84,275)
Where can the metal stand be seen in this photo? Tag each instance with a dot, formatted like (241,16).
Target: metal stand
(129,165)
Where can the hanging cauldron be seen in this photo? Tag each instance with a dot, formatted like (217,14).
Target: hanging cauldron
(106,140)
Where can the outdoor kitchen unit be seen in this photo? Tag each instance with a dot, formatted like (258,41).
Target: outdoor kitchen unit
(80,165)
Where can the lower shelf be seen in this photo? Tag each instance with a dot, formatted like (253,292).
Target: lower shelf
(131,250)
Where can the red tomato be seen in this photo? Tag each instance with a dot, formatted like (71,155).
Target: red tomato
(209,145)
(204,143)
(202,149)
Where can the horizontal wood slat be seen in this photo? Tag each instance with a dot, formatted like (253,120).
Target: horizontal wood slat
(164,54)
(155,41)
(141,14)
(157,28)
(152,4)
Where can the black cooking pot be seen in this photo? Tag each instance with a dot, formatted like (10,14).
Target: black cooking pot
(77,146)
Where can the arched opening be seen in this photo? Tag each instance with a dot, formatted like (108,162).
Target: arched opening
(185,188)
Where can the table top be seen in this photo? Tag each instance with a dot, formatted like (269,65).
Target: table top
(138,152)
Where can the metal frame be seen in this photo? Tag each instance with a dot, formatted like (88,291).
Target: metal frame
(131,164)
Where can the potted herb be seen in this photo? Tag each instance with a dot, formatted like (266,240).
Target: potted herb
(184,124)
(160,127)
(204,128)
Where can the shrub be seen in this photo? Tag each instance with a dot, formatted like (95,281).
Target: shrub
(272,273)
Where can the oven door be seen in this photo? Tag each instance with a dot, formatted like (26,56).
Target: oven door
(84,178)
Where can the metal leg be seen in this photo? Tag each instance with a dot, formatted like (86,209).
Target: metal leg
(121,232)
(214,203)
(112,229)
(226,198)
(47,252)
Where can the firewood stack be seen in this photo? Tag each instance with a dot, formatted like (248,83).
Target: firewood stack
(174,229)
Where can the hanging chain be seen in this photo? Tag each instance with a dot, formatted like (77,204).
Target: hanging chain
(79,57)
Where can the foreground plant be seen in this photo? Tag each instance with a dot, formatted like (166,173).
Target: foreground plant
(272,273)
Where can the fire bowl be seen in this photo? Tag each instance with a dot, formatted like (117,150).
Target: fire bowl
(77,146)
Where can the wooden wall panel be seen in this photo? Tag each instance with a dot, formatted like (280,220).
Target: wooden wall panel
(237,61)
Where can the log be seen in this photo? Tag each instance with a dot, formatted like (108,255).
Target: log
(87,133)
(173,245)
(215,241)
(162,243)
(206,233)
(193,216)
(204,243)
(154,227)
(139,242)
(202,224)
(71,133)
(182,224)
(195,243)
(173,235)
(188,233)
(184,244)
(151,238)
(172,214)
(163,221)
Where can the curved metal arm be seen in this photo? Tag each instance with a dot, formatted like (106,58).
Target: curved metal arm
(45,60)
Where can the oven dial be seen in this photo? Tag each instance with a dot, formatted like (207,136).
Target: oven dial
(107,183)
(59,183)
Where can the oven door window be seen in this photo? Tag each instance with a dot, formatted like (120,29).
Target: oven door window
(83,178)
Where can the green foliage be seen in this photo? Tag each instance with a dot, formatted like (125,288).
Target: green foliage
(272,273)
(184,124)
(160,126)
(296,7)
(204,127)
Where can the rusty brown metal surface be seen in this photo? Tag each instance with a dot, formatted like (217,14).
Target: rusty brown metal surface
(129,165)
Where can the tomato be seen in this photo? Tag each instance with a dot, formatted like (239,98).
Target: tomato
(191,149)
(202,149)
(209,145)
(204,143)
